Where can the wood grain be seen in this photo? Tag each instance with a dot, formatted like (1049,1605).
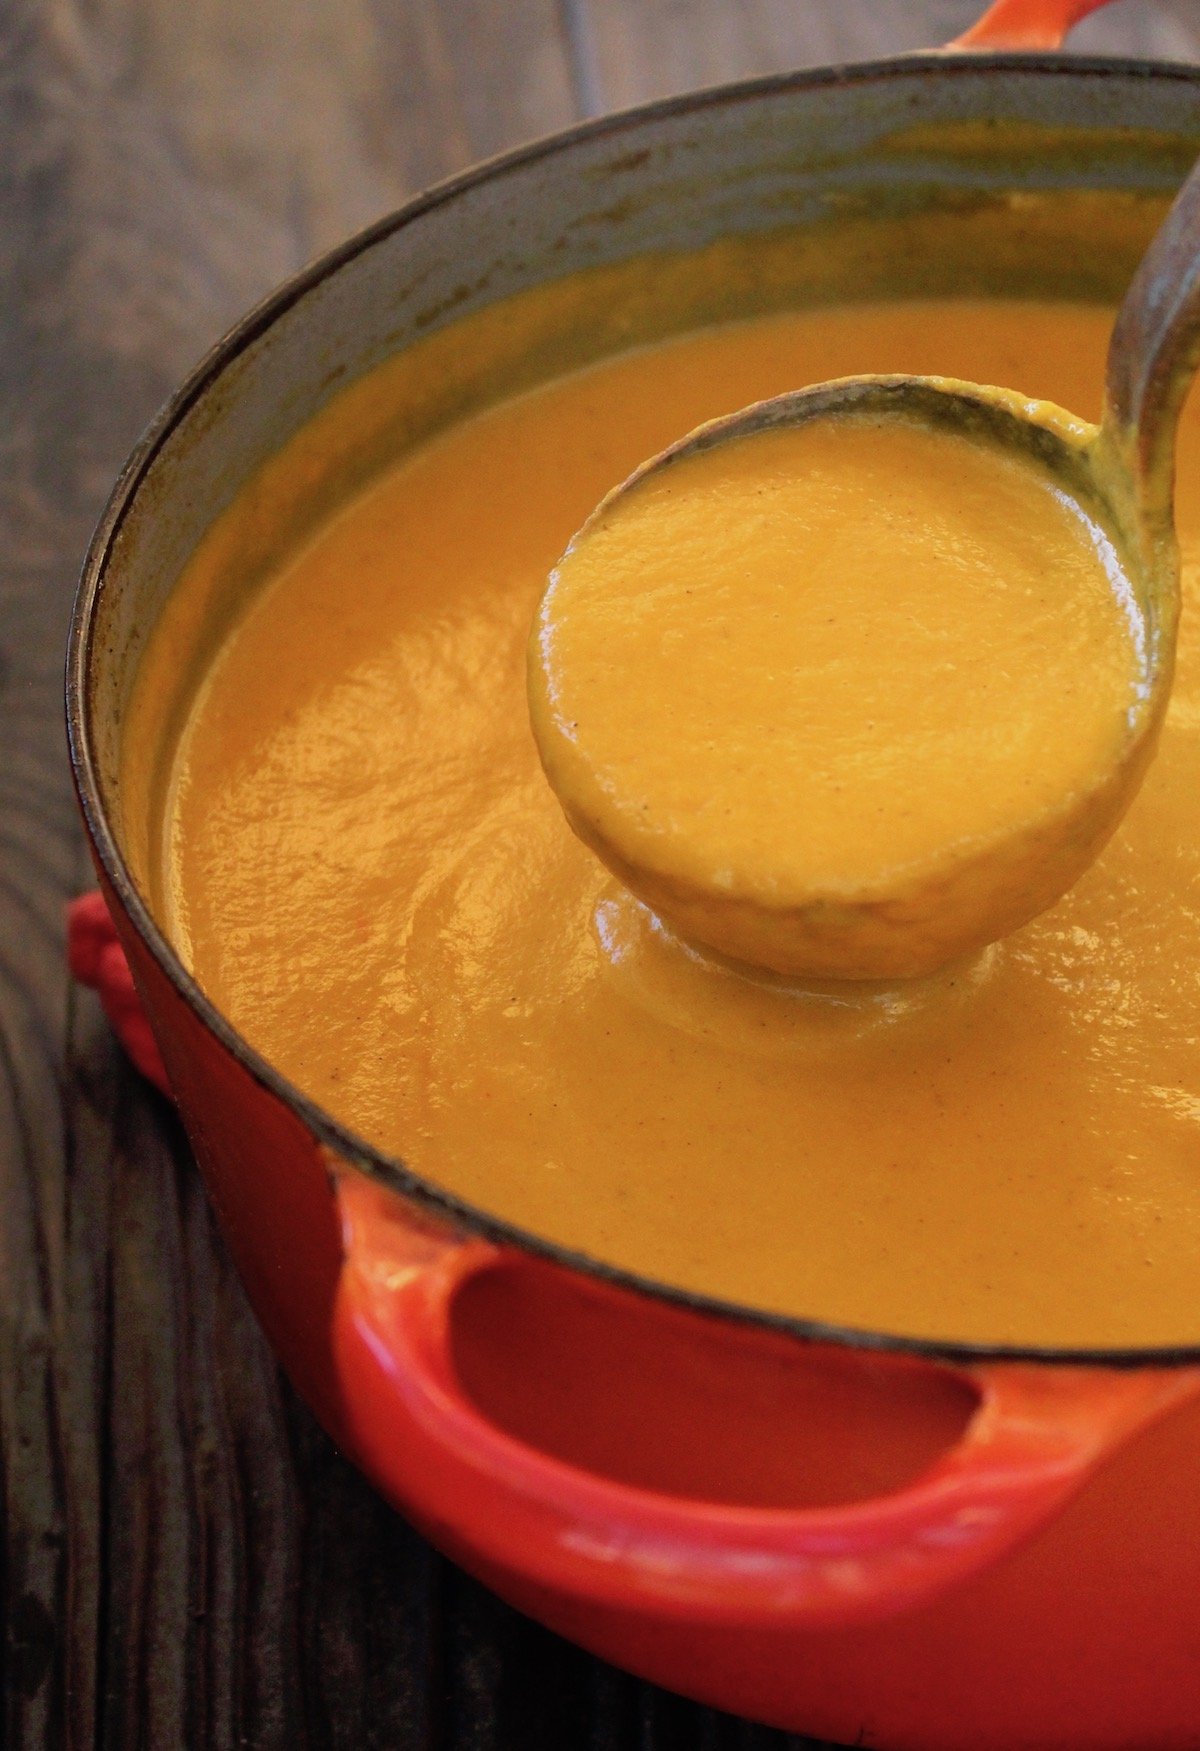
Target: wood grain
(186,1561)
(642,49)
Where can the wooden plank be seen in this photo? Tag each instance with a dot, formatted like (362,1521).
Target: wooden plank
(215,148)
(167,1579)
(642,49)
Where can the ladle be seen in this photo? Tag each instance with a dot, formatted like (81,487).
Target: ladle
(921,919)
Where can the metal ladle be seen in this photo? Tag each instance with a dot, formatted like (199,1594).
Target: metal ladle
(1125,468)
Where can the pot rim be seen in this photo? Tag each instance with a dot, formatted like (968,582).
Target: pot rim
(390,1170)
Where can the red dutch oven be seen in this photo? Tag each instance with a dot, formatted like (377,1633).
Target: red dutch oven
(879,1541)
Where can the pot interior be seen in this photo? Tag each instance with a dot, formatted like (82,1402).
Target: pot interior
(937,178)
(927,178)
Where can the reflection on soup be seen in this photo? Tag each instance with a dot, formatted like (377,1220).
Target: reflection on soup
(368,873)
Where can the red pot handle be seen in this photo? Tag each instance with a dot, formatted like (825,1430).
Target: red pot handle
(509,1508)
(496,1502)
(1025,24)
(96,958)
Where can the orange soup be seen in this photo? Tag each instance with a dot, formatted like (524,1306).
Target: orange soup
(365,868)
(842,698)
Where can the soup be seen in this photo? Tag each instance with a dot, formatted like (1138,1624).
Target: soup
(363,865)
(838,698)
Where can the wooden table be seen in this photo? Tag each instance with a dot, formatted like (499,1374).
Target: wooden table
(187,1561)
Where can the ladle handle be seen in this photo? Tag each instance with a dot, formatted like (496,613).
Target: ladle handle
(1025,24)
(1152,357)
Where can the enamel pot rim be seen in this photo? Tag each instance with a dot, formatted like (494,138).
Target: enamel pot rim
(340,1139)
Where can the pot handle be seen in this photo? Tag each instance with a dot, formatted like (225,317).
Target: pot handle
(500,1504)
(1025,24)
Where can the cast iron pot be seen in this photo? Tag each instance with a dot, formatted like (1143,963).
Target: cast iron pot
(874,1540)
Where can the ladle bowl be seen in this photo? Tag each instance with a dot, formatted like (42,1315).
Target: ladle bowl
(918,917)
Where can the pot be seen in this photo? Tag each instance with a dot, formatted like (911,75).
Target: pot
(879,1541)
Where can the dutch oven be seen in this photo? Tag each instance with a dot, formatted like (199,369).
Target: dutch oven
(1016,1560)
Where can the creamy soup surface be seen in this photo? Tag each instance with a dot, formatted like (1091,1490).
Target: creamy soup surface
(366,870)
(837,699)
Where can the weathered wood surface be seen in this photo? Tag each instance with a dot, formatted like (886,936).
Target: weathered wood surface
(186,1561)
(642,51)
